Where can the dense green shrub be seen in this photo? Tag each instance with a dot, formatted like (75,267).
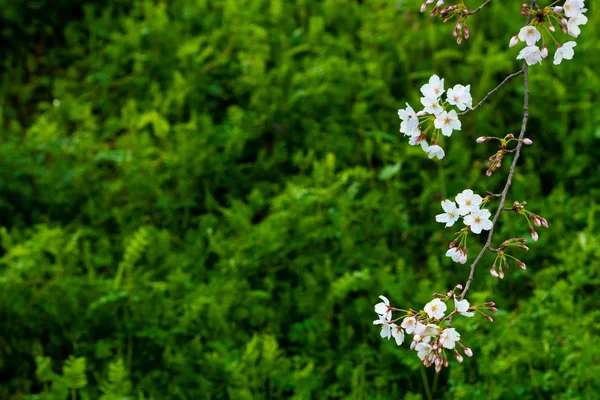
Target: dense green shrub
(203,200)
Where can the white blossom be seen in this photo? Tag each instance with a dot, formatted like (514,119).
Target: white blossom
(572,8)
(478,221)
(468,202)
(386,329)
(430,331)
(460,96)
(447,122)
(462,307)
(456,255)
(423,350)
(531,54)
(409,324)
(435,151)
(384,308)
(449,337)
(409,118)
(435,309)
(451,213)
(530,35)
(398,334)
(435,87)
(432,105)
(574,23)
(565,52)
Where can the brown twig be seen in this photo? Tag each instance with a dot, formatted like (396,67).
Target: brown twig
(508,78)
(479,8)
(486,247)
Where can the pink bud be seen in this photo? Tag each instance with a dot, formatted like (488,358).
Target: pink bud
(482,139)
(463,257)
(513,41)
(458,26)
(501,273)
(544,51)
(494,273)
(490,304)
(459,358)
(523,248)
(439,3)
(489,318)
(551,27)
(423,7)
(446,363)
(459,287)
(527,141)
(468,352)
(438,368)
(544,222)
(563,21)
(522,265)
(510,136)
(534,235)
(492,309)
(558,9)
(536,220)
(466,30)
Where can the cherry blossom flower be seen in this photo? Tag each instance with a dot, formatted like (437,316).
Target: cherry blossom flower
(432,105)
(435,87)
(468,202)
(451,213)
(409,324)
(384,308)
(460,96)
(462,307)
(409,118)
(574,23)
(424,350)
(435,309)
(479,220)
(398,334)
(572,8)
(449,337)
(564,52)
(386,329)
(530,35)
(447,122)
(457,255)
(430,331)
(435,151)
(531,54)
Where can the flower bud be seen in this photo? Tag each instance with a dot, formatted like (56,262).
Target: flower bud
(489,318)
(564,21)
(446,362)
(494,273)
(534,234)
(468,351)
(551,27)
(492,309)
(513,41)
(544,222)
(463,257)
(523,248)
(466,30)
(459,287)
(439,3)
(522,265)
(483,139)
(536,220)
(544,51)
(510,136)
(558,9)
(501,272)
(413,345)
(423,7)
(490,304)
(527,141)
(421,113)
(438,368)
(459,358)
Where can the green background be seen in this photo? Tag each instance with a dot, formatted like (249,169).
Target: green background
(220,193)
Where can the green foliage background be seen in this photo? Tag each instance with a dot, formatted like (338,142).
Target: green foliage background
(219,193)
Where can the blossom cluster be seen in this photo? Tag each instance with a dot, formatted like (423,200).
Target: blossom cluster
(467,205)
(568,17)
(436,118)
(432,334)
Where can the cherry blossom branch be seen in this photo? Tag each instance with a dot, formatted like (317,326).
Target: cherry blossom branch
(508,78)
(480,7)
(525,72)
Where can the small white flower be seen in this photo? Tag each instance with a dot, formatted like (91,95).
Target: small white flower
(384,308)
(429,332)
(435,309)
(530,35)
(479,220)
(409,118)
(573,25)
(468,202)
(462,307)
(409,324)
(435,151)
(531,54)
(420,329)
(565,52)
(435,87)
(449,337)
(386,329)
(398,334)
(432,105)
(423,350)
(447,122)
(573,8)
(460,96)
(455,254)
(451,213)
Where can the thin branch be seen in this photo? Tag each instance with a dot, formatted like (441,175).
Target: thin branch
(508,78)
(508,181)
(479,8)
